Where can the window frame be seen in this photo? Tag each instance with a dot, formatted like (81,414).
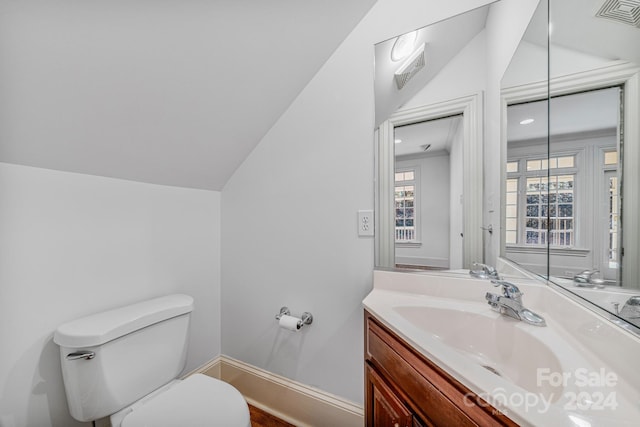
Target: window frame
(416,241)
(522,174)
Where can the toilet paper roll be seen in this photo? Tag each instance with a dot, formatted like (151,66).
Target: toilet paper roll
(289,322)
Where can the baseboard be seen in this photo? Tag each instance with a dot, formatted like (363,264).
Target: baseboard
(288,400)
(426,262)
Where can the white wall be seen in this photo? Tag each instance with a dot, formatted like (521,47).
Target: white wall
(433,209)
(464,75)
(72,245)
(506,23)
(289,235)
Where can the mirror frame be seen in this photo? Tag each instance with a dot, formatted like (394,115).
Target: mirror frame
(472,147)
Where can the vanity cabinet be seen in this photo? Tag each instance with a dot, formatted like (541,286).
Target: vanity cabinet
(406,389)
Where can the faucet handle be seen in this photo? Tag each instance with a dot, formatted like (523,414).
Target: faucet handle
(509,290)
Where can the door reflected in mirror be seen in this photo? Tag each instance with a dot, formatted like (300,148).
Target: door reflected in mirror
(428,194)
(429,198)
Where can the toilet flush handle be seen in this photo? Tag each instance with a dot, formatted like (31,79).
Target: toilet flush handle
(84,354)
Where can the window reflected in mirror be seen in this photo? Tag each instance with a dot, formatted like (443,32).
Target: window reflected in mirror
(562,194)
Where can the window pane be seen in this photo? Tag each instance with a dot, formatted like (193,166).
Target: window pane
(533,199)
(512,166)
(404,203)
(553,163)
(533,165)
(566,162)
(511,210)
(533,237)
(545,164)
(611,158)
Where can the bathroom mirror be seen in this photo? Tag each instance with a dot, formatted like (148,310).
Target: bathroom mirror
(570,178)
(429,133)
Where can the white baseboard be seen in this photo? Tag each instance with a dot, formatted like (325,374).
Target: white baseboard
(426,262)
(288,400)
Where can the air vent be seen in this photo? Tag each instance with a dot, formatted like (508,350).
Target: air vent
(410,68)
(624,11)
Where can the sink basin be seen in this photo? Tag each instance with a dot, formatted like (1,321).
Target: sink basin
(498,343)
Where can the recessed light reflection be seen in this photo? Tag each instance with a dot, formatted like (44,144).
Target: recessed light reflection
(403,46)
(398,141)
(527,121)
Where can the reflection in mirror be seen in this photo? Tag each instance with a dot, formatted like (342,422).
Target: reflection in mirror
(584,205)
(567,198)
(428,194)
(433,96)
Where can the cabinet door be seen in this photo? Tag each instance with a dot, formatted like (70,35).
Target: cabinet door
(383,408)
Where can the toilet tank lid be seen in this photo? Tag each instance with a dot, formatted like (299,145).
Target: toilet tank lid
(103,327)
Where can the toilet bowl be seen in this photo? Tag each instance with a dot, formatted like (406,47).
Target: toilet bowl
(198,400)
(125,363)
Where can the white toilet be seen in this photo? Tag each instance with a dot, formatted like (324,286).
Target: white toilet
(123,363)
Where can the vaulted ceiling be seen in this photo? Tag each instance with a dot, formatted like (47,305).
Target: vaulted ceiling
(173,92)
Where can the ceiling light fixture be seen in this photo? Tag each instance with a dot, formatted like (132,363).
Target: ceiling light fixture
(404,46)
(527,121)
(398,141)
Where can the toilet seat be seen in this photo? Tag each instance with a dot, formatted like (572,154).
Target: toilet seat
(198,401)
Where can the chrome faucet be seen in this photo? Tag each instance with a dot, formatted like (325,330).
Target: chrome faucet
(484,272)
(510,304)
(586,278)
(631,310)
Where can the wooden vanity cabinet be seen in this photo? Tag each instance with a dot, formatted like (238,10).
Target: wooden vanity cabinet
(405,389)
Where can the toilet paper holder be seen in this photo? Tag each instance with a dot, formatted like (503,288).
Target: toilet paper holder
(307,318)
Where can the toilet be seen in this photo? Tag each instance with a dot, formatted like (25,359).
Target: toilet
(124,364)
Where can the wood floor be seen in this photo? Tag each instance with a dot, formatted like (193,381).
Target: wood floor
(260,418)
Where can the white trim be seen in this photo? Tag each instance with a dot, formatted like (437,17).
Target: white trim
(289,400)
(577,252)
(471,109)
(424,262)
(414,244)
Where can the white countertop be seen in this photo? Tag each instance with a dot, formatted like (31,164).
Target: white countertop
(596,390)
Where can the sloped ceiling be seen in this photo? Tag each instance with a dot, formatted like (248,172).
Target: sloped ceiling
(172,92)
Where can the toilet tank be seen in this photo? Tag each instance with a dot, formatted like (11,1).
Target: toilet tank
(111,359)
